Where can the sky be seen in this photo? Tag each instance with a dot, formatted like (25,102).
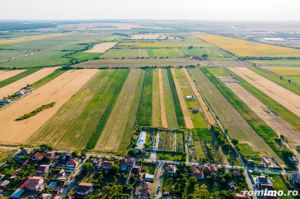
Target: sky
(151,9)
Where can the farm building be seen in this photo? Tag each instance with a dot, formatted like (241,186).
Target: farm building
(140,143)
(189,98)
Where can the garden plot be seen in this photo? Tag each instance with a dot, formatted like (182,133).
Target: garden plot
(170,141)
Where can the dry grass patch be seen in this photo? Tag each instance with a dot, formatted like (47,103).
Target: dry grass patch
(59,91)
(163,113)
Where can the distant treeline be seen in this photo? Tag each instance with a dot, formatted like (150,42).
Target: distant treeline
(6,26)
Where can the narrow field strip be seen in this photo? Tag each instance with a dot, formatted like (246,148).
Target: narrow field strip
(72,127)
(283,96)
(169,102)
(132,117)
(207,114)
(9,73)
(17,77)
(163,113)
(116,124)
(47,79)
(156,110)
(178,110)
(237,127)
(186,115)
(144,117)
(60,90)
(280,126)
(30,79)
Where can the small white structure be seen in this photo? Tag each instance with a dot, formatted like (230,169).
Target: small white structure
(149,177)
(189,98)
(140,143)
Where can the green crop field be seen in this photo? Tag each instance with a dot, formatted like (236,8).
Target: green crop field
(165,53)
(169,103)
(126,53)
(72,126)
(119,123)
(144,117)
(178,110)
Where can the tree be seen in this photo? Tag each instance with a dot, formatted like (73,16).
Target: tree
(235,142)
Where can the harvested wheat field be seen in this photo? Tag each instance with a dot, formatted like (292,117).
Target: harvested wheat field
(30,79)
(58,90)
(207,114)
(9,73)
(163,113)
(102,48)
(283,96)
(112,135)
(280,126)
(288,71)
(187,118)
(244,48)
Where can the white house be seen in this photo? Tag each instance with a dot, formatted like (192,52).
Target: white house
(140,143)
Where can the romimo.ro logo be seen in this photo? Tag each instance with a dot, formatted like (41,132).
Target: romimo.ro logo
(267,192)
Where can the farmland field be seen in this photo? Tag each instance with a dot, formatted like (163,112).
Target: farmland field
(163,113)
(30,79)
(118,120)
(168,101)
(60,90)
(287,77)
(126,53)
(283,96)
(156,114)
(237,127)
(95,99)
(7,74)
(244,48)
(144,117)
(280,126)
(197,119)
(102,48)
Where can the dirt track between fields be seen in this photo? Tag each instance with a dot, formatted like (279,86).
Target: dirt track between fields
(286,98)
(59,90)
